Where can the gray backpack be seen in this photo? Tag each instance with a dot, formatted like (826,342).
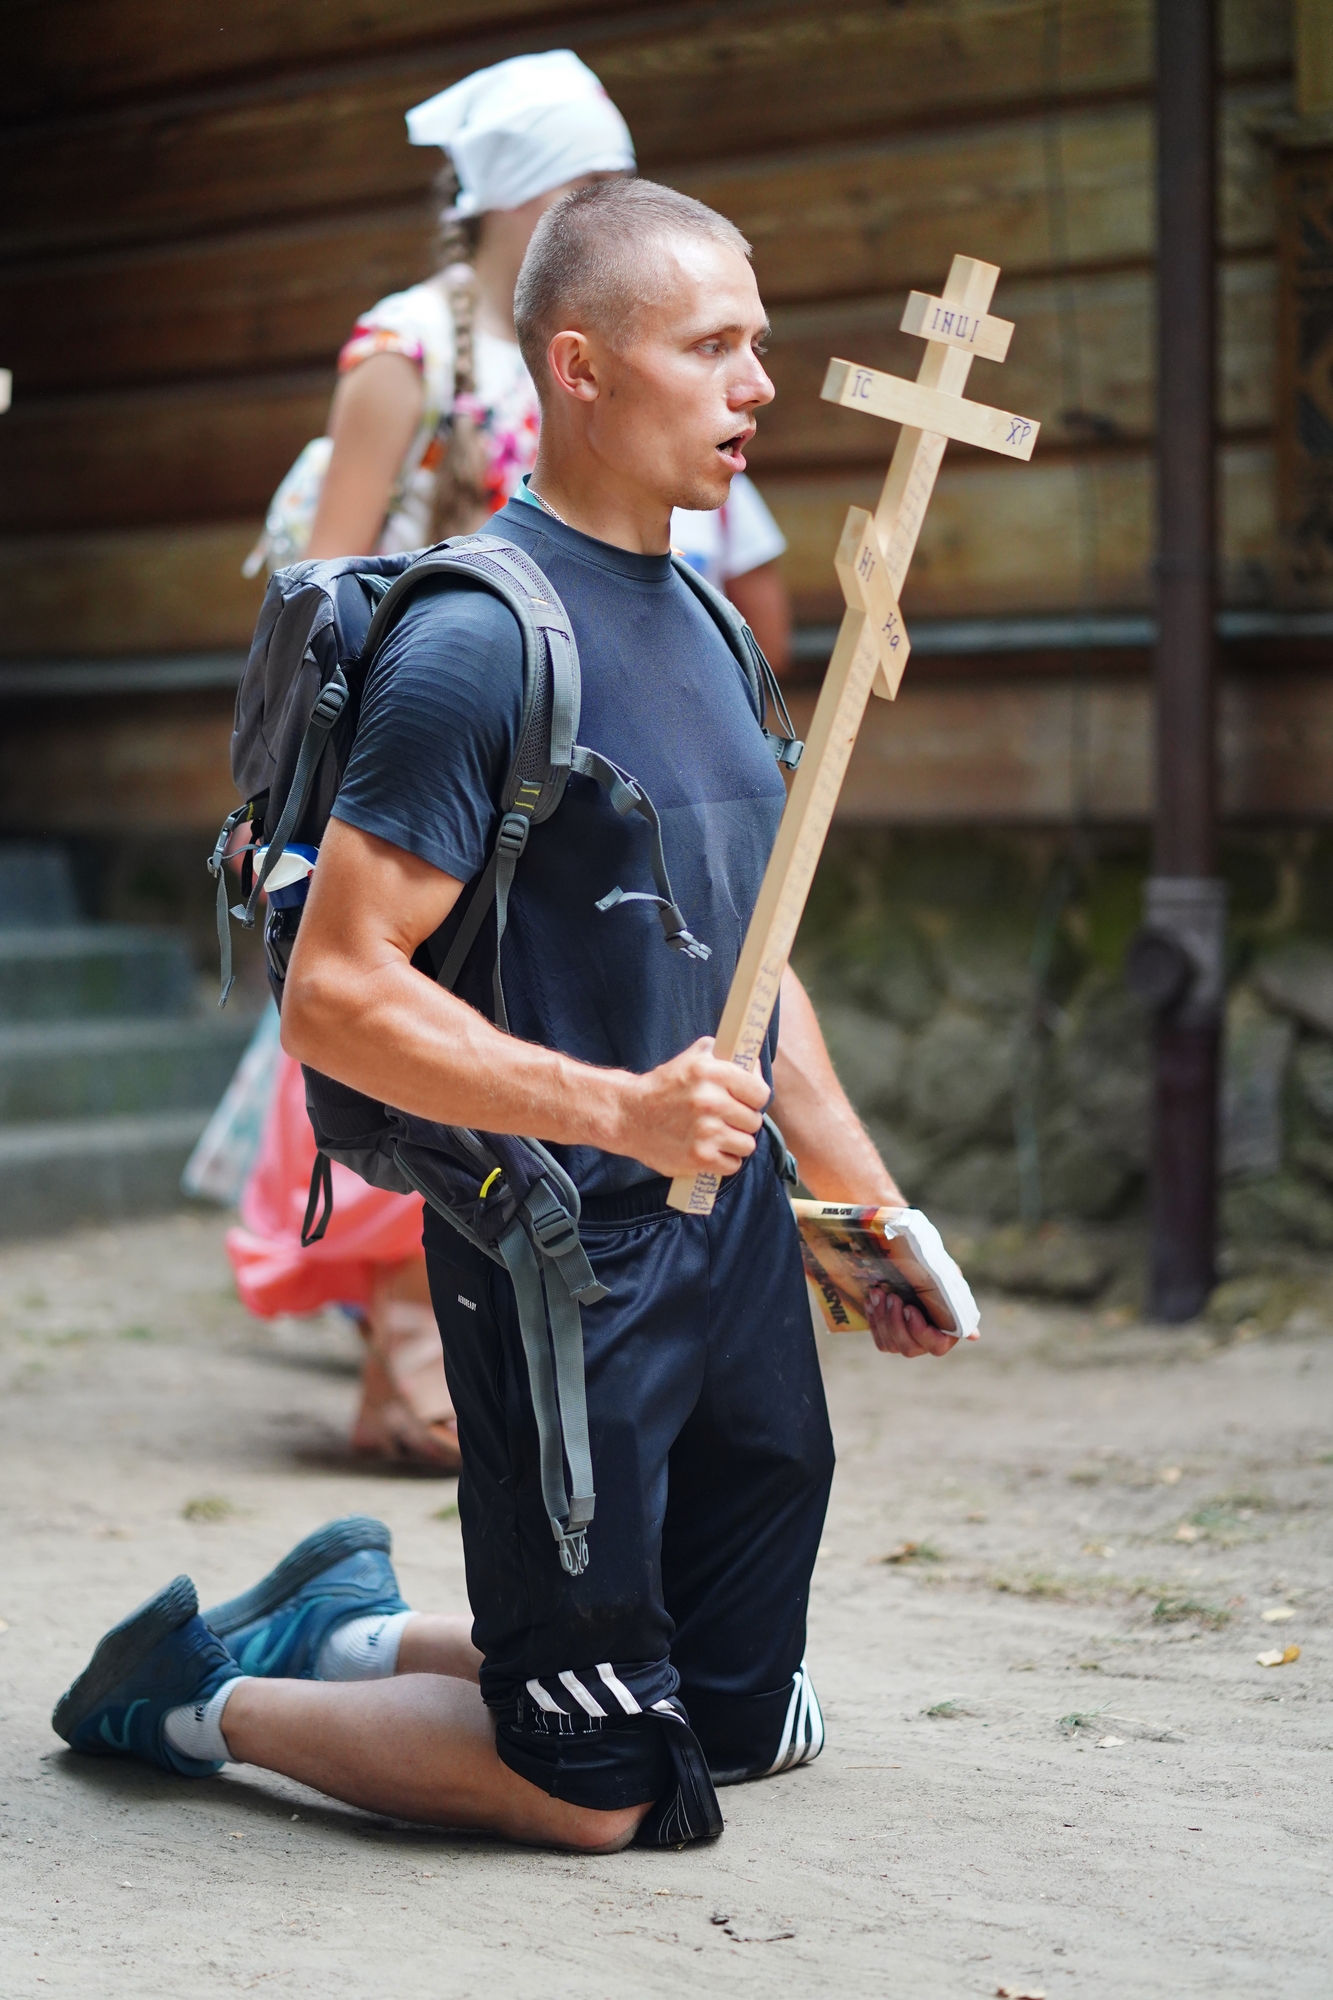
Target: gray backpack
(319,631)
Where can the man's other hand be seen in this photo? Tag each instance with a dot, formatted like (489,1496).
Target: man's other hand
(692,1115)
(899,1328)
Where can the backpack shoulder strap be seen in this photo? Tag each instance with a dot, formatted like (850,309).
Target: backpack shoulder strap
(544,752)
(501,559)
(763,682)
(536,779)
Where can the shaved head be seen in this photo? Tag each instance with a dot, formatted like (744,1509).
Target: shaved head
(601,253)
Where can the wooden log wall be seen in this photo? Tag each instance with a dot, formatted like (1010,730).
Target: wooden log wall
(198,201)
(1304,557)
(1008,750)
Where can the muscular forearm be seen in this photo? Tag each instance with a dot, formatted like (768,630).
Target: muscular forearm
(403,1040)
(355,1008)
(838,1158)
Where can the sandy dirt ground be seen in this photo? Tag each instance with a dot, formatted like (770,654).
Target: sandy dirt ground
(1053,1763)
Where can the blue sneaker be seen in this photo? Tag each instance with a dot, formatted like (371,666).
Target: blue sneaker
(276,1629)
(159,1658)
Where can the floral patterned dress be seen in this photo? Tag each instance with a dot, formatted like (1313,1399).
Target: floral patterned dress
(418,325)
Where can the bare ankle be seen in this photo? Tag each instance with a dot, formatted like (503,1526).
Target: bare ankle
(436,1644)
(589,1832)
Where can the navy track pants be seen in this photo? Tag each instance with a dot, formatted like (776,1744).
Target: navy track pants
(712,1460)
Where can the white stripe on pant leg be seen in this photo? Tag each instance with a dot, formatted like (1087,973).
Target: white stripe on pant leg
(801,1740)
(588,1703)
(780,1761)
(816,1722)
(544,1700)
(622,1694)
(803,1730)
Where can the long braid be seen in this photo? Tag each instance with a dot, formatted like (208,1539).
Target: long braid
(460,481)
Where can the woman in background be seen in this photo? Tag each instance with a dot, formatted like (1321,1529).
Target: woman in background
(432,427)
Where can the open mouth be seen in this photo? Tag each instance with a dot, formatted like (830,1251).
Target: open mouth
(733,448)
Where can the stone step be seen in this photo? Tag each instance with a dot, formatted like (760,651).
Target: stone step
(68,973)
(92,1170)
(36,885)
(105,1068)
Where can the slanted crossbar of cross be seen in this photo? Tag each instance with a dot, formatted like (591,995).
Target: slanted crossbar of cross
(872,561)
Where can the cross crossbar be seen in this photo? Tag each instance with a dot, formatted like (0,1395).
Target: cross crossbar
(929,409)
(872,561)
(936,319)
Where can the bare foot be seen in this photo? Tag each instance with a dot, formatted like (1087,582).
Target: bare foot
(405,1415)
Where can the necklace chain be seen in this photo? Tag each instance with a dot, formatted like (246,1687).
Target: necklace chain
(546,505)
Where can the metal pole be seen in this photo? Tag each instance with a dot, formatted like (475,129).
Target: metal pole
(1186,904)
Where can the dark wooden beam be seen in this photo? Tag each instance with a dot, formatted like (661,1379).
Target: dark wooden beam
(336,143)
(1185,902)
(70,55)
(995,542)
(67,56)
(986,749)
(206,452)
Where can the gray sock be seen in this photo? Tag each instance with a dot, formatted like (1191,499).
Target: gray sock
(195,1730)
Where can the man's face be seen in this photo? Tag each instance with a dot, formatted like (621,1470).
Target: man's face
(677,397)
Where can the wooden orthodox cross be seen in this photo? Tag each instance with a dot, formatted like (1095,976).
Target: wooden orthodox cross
(872,562)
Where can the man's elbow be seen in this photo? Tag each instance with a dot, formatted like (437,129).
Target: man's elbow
(309,1012)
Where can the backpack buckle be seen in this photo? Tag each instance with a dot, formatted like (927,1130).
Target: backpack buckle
(553,1225)
(673,929)
(330,702)
(625,795)
(573,1551)
(513,835)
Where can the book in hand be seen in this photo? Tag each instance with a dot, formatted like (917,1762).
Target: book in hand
(849,1251)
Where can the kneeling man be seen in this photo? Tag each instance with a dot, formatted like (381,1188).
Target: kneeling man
(602,1706)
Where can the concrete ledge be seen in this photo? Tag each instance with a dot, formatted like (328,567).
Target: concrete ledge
(107,1068)
(92,1170)
(69,973)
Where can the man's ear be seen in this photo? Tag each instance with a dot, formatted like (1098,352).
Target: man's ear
(573,366)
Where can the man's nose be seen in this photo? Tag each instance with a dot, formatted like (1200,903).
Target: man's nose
(752,389)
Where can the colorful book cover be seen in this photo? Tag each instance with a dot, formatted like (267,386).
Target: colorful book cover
(846,1253)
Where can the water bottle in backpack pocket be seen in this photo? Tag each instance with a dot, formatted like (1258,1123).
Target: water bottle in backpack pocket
(286,886)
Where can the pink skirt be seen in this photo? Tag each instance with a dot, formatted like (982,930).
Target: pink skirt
(369,1230)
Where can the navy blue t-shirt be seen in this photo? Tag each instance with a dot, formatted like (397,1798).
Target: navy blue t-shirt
(664,698)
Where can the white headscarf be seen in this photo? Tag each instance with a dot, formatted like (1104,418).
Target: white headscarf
(522,127)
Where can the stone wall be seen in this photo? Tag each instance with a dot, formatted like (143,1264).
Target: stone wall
(971,991)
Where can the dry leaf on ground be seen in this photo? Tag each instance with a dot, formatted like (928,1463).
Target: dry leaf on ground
(1109,1742)
(1278,1659)
(1187,1532)
(1279,1614)
(1020,1992)
(1170,1475)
